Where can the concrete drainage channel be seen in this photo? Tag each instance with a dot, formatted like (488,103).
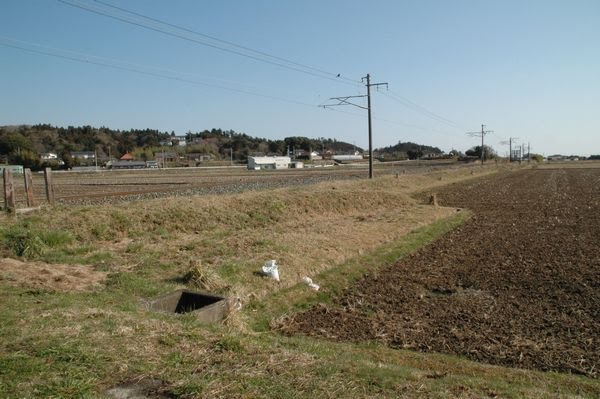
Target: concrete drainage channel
(208,308)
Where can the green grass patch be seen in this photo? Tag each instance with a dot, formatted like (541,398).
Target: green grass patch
(30,242)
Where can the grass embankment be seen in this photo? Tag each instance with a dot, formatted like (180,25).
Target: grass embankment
(80,339)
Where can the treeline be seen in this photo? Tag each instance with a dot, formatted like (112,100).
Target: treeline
(25,144)
(406,150)
(217,141)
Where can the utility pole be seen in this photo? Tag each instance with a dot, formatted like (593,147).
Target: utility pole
(528,152)
(370,126)
(522,151)
(482,135)
(344,101)
(510,143)
(510,150)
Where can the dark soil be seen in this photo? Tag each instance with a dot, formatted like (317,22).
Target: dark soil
(517,285)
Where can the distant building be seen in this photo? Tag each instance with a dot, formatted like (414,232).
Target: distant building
(432,155)
(13,168)
(199,157)
(83,154)
(127,157)
(347,158)
(162,157)
(310,155)
(128,165)
(257,163)
(181,141)
(49,156)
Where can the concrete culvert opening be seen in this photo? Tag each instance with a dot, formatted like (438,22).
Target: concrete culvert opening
(209,308)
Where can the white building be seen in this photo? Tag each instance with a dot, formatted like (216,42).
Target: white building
(257,163)
(83,154)
(181,141)
(49,156)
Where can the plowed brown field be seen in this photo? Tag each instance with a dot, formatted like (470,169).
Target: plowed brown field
(517,285)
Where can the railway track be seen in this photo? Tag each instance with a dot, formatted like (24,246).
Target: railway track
(118,186)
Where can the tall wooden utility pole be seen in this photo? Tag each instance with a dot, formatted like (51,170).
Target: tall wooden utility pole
(482,135)
(344,101)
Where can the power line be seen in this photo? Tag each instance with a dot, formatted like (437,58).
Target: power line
(420,109)
(230,43)
(259,55)
(322,75)
(110,63)
(347,100)
(127,66)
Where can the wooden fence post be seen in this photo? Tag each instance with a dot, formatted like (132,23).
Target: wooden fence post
(29,187)
(49,186)
(9,193)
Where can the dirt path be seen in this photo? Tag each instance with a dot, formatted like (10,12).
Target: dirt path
(518,285)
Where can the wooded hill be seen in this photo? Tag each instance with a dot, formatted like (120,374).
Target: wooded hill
(25,144)
(406,150)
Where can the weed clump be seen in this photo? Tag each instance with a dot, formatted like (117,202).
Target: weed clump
(31,243)
(203,278)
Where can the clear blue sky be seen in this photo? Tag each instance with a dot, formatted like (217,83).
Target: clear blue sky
(526,69)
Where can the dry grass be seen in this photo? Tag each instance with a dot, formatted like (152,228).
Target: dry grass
(42,276)
(307,230)
(80,344)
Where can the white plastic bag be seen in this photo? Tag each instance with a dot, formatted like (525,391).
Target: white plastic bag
(310,283)
(271,269)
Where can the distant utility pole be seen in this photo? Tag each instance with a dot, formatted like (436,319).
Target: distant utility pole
(510,139)
(510,150)
(510,142)
(344,101)
(482,135)
(528,152)
(522,151)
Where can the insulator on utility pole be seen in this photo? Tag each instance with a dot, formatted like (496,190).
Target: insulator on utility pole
(344,101)
(482,135)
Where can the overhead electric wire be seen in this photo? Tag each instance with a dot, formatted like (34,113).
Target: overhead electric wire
(136,68)
(230,43)
(203,43)
(163,74)
(258,55)
(420,109)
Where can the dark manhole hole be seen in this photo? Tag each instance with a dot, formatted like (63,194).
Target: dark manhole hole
(209,308)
